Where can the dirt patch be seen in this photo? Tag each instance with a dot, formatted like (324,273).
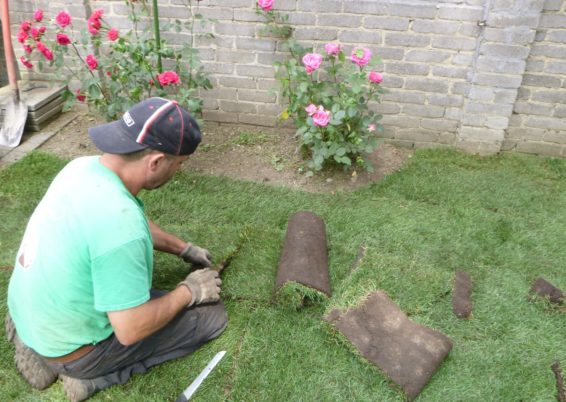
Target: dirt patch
(268,155)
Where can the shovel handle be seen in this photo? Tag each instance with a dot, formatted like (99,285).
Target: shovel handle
(8,49)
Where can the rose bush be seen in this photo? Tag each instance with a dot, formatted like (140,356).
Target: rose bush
(111,69)
(330,96)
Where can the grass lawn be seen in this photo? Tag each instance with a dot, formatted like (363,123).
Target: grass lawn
(502,219)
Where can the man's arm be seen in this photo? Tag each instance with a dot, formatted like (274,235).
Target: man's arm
(136,323)
(163,241)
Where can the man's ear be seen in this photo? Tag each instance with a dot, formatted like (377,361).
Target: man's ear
(155,159)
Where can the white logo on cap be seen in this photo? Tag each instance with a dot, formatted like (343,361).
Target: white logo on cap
(128,119)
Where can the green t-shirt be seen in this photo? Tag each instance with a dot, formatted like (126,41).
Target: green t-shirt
(87,250)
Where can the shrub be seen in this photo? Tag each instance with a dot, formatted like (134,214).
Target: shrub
(113,69)
(328,96)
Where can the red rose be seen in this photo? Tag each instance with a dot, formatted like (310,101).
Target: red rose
(48,54)
(168,77)
(80,97)
(38,15)
(40,46)
(26,62)
(26,25)
(28,49)
(22,36)
(63,39)
(35,33)
(113,34)
(91,62)
(63,19)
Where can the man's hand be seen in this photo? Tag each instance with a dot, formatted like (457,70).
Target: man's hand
(204,285)
(196,255)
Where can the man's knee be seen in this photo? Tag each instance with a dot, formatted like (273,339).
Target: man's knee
(213,319)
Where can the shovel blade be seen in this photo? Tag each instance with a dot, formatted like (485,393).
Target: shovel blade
(15,116)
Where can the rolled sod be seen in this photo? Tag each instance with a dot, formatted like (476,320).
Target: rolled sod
(406,352)
(546,289)
(303,267)
(462,295)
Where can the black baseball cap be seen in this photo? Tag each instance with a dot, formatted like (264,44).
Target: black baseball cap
(156,123)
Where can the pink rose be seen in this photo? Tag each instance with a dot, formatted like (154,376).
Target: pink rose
(332,49)
(80,97)
(312,61)
(97,14)
(38,15)
(93,31)
(375,77)
(310,109)
(371,127)
(361,56)
(26,25)
(48,54)
(63,19)
(168,77)
(28,49)
(35,33)
(91,62)
(63,39)
(22,36)
(113,34)
(321,117)
(42,30)
(26,62)
(265,5)
(40,46)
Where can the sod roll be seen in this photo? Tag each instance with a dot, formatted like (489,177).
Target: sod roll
(303,266)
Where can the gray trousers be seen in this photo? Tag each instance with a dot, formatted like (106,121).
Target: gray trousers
(111,363)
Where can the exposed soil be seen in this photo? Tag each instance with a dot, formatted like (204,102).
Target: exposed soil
(269,155)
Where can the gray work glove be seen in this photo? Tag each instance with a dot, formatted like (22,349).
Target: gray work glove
(204,285)
(196,255)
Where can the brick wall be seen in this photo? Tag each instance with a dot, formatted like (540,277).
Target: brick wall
(480,75)
(538,124)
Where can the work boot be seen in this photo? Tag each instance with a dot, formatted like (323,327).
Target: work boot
(30,365)
(77,389)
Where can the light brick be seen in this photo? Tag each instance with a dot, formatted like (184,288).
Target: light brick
(558,97)
(257,119)
(235,82)
(498,80)
(439,124)
(417,134)
(423,110)
(450,42)
(237,107)
(445,100)
(522,133)
(533,108)
(407,68)
(489,108)
(558,137)
(504,20)
(545,122)
(339,20)
(403,39)
(235,29)
(557,36)
(512,35)
(316,34)
(366,7)
(219,116)
(388,23)
(254,44)
(552,21)
(229,56)
(324,6)
(459,12)
(560,111)
(427,85)
(450,72)
(357,36)
(507,96)
(402,96)
(256,96)
(390,53)
(480,134)
(302,19)
(439,27)
(428,56)
(505,51)
(540,148)
(416,10)
(254,71)
(556,67)
(497,65)
(401,121)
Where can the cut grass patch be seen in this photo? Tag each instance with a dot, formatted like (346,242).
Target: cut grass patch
(501,219)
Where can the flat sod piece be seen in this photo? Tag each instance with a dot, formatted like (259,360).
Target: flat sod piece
(408,353)
(544,288)
(561,394)
(303,266)
(462,295)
